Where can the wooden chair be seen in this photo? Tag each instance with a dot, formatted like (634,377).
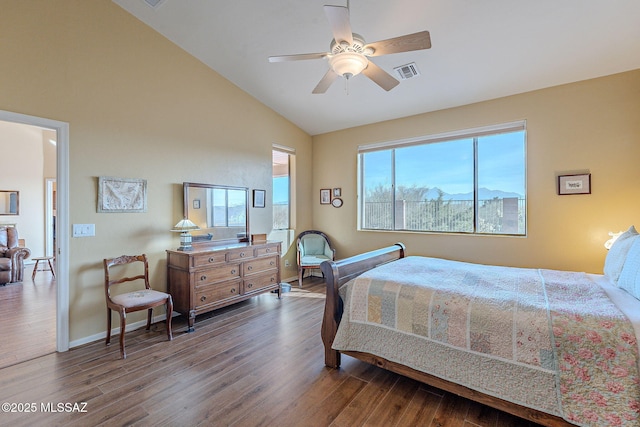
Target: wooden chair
(314,247)
(144,299)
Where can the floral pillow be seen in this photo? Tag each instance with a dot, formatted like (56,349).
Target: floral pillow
(618,253)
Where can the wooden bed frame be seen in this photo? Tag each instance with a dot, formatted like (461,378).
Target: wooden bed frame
(337,273)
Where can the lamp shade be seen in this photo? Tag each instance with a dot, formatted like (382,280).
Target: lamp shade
(613,237)
(185,225)
(348,64)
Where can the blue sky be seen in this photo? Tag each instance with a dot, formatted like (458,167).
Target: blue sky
(449,165)
(281,190)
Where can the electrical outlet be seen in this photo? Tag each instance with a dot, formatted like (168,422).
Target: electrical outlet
(287,263)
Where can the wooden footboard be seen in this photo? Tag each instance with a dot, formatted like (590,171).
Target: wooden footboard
(340,272)
(336,274)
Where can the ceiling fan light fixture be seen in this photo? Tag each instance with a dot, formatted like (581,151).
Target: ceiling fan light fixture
(348,64)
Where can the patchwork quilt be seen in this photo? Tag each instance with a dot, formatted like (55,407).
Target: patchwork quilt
(549,340)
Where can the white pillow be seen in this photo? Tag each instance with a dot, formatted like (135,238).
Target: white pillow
(630,275)
(618,253)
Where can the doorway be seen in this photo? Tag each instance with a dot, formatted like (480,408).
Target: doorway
(60,204)
(50,217)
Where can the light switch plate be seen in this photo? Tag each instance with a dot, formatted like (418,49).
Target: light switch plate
(84,230)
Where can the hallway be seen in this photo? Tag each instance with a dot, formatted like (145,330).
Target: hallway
(28,312)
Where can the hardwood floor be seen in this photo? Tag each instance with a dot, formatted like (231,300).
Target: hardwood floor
(257,363)
(28,313)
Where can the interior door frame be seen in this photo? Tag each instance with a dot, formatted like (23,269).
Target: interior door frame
(62,217)
(49,230)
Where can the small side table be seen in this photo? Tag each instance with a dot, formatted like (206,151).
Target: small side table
(43,258)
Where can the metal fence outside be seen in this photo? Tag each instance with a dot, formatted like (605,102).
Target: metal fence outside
(495,216)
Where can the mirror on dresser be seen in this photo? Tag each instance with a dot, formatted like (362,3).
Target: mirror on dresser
(221,212)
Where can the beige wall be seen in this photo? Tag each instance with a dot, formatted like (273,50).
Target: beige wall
(137,107)
(23,171)
(592,125)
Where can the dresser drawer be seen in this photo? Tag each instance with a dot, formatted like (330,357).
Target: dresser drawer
(268,250)
(260,281)
(215,293)
(201,260)
(260,265)
(216,274)
(239,254)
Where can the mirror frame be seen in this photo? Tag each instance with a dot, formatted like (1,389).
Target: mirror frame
(8,204)
(185,192)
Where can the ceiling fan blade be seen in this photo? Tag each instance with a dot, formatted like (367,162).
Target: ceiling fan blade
(338,17)
(380,77)
(415,41)
(298,57)
(325,82)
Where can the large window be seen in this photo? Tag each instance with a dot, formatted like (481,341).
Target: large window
(463,182)
(281,188)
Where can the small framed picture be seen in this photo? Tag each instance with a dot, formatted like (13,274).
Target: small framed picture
(258,198)
(337,192)
(196,203)
(574,184)
(325,196)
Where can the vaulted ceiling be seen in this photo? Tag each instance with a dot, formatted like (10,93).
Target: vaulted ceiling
(480,50)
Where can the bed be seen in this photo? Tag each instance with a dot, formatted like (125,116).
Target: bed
(554,347)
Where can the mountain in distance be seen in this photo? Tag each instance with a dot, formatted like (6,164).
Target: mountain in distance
(483,194)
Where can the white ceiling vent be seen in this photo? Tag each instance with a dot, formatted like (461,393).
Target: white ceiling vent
(407,71)
(154,3)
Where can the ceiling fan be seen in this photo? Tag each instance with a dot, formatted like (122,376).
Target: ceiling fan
(349,54)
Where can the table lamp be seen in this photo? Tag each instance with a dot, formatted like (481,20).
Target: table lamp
(184,227)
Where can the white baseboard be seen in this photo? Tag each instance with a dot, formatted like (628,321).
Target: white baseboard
(290,279)
(101,336)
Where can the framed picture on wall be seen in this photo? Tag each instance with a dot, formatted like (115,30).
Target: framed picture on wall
(574,184)
(259,198)
(122,194)
(325,196)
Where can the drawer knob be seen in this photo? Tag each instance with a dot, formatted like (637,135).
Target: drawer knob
(241,254)
(203,278)
(203,298)
(250,268)
(272,263)
(233,271)
(211,259)
(233,290)
(273,279)
(268,250)
(250,285)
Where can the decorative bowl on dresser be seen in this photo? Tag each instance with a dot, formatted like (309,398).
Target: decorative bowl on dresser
(214,276)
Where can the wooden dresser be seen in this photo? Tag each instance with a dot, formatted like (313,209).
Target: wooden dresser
(211,277)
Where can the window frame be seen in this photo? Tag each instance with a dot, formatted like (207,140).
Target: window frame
(473,133)
(290,153)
